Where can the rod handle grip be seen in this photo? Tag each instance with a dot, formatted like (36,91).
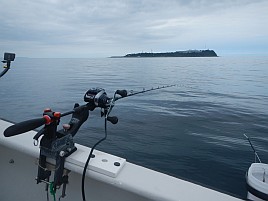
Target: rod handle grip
(24,126)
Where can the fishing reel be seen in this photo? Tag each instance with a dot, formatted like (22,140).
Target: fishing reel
(97,97)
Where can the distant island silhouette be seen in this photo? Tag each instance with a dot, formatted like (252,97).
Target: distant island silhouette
(187,53)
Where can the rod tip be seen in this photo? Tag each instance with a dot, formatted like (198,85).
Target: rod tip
(245,135)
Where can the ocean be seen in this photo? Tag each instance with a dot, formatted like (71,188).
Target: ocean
(192,131)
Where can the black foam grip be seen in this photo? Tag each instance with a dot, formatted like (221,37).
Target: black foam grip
(24,126)
(122,93)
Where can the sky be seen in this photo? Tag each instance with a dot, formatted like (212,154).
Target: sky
(103,28)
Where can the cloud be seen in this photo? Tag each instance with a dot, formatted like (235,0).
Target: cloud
(86,28)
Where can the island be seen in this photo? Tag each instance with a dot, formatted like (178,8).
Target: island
(187,53)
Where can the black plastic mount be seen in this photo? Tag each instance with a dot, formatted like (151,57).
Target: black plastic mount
(8,57)
(57,146)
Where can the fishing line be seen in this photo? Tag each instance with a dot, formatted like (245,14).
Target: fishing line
(254,150)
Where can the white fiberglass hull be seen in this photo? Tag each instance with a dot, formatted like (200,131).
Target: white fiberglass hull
(103,181)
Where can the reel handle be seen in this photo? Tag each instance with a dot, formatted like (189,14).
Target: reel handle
(24,126)
(113,120)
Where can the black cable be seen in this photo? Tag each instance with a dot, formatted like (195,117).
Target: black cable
(47,196)
(88,159)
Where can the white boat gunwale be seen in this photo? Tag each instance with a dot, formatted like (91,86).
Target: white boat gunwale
(132,178)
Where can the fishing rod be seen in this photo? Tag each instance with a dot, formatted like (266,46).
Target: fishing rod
(254,150)
(8,57)
(147,90)
(59,144)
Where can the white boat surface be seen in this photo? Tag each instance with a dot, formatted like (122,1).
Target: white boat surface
(257,181)
(104,180)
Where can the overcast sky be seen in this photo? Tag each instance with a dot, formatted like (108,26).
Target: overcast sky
(101,28)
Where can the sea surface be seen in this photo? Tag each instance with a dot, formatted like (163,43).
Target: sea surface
(192,131)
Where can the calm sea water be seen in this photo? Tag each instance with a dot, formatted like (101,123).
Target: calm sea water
(192,131)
